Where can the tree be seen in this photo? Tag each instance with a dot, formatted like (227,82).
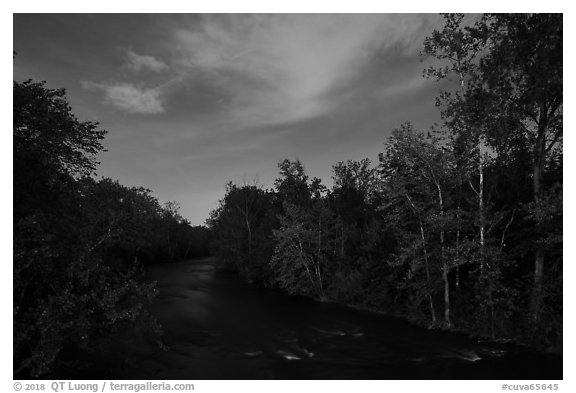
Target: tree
(522,78)
(50,143)
(292,185)
(66,296)
(352,195)
(414,159)
(513,95)
(459,47)
(299,257)
(243,227)
(305,235)
(139,227)
(399,187)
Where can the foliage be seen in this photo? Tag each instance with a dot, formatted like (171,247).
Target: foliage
(459,226)
(79,243)
(242,227)
(46,132)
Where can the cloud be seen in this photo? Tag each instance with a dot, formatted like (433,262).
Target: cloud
(143,62)
(129,98)
(282,68)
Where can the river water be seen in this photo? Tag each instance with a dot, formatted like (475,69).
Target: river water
(217,327)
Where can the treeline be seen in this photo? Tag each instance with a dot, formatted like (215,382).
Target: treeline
(79,243)
(459,226)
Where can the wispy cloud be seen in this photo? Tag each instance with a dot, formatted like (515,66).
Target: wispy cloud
(144,62)
(281,68)
(241,91)
(129,98)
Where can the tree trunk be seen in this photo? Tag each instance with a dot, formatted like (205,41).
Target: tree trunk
(249,237)
(432,311)
(246,213)
(458,219)
(426,267)
(319,258)
(503,238)
(443,261)
(539,158)
(446,295)
(481,212)
(319,274)
(342,250)
(311,275)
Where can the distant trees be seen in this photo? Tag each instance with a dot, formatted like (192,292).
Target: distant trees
(139,227)
(352,199)
(242,227)
(305,234)
(78,242)
(299,259)
(451,226)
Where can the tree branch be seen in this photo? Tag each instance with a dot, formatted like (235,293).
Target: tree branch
(553,142)
(472,187)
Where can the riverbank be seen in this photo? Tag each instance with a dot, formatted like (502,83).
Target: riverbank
(555,349)
(218,327)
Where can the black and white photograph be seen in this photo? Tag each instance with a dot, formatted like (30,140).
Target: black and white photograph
(287,196)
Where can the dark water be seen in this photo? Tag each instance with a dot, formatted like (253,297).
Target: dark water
(217,327)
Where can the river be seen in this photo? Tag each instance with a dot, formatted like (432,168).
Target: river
(217,327)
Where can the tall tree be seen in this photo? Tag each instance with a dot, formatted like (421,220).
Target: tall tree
(521,77)
(457,47)
(514,94)
(303,239)
(420,158)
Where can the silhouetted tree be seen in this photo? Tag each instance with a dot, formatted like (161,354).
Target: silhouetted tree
(66,297)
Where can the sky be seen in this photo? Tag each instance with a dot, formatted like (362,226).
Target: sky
(192,101)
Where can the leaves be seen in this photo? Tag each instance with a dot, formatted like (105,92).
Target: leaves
(78,242)
(448,217)
(46,130)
